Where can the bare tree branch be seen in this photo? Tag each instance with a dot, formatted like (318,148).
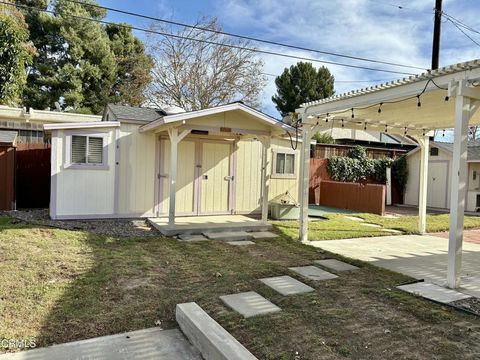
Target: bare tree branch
(196,75)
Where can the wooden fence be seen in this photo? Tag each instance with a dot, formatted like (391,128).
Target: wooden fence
(353,196)
(33,175)
(7,177)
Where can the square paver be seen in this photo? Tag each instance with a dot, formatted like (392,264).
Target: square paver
(434,292)
(263,235)
(249,304)
(336,265)
(313,273)
(286,285)
(241,242)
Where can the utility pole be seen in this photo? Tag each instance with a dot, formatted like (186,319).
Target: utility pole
(436,34)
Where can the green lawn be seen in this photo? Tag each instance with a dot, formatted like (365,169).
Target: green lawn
(59,285)
(339,227)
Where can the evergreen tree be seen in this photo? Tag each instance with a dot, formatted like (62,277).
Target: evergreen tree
(301,83)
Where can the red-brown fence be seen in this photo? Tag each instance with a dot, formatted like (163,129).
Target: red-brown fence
(33,175)
(7,177)
(353,196)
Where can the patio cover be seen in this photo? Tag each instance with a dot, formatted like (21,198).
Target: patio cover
(416,106)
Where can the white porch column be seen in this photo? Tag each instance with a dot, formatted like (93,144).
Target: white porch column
(389,185)
(422,191)
(304,182)
(457,197)
(175,138)
(266,172)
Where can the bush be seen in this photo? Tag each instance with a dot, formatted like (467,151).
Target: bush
(323,138)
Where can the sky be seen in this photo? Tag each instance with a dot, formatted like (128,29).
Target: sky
(374,29)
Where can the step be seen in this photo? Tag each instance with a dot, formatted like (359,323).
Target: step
(211,339)
(229,235)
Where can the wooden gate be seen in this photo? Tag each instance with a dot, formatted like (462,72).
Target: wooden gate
(7,177)
(33,175)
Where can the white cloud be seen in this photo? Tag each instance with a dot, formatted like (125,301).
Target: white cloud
(364,28)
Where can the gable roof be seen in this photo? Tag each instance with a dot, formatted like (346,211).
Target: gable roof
(168,119)
(133,113)
(473,151)
(8,137)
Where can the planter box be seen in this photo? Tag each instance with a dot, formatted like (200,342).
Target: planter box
(284,211)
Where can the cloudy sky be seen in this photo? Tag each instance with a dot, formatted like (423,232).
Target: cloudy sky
(375,29)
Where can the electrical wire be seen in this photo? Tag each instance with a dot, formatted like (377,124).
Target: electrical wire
(260,51)
(244,37)
(464,33)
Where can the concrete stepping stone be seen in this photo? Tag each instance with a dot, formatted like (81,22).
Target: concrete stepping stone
(263,235)
(354,218)
(336,265)
(433,292)
(229,235)
(286,285)
(249,304)
(192,237)
(371,225)
(393,231)
(241,242)
(313,273)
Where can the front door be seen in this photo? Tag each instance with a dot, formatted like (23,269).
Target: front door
(215,178)
(203,182)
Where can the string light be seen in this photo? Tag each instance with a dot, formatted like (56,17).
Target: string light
(380,108)
(447,98)
(386,128)
(353,115)
(443,135)
(405,133)
(365,126)
(342,124)
(418,101)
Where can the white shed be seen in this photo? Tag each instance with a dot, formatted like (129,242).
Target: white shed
(142,162)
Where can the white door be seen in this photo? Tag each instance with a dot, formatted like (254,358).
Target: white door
(437,184)
(215,178)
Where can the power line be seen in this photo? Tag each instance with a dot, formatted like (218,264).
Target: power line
(341,81)
(176,23)
(212,42)
(460,23)
(464,33)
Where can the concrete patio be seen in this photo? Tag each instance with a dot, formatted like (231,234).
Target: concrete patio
(421,257)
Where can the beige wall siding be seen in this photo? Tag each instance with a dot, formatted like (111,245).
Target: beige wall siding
(280,186)
(83,192)
(137,171)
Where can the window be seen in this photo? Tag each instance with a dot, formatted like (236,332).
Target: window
(284,164)
(86,150)
(433,151)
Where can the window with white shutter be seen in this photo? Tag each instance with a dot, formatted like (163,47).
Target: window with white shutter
(86,150)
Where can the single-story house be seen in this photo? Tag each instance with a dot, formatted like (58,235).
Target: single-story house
(145,162)
(440,175)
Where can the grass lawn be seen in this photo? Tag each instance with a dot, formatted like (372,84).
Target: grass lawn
(339,227)
(59,285)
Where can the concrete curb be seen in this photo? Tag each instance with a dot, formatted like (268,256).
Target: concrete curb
(212,340)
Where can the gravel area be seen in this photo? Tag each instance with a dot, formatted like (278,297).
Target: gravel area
(472,305)
(110,227)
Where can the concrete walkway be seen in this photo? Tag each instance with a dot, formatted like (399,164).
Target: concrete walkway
(152,343)
(421,257)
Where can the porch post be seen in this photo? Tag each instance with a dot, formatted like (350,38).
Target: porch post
(304,182)
(422,191)
(265,176)
(175,138)
(463,112)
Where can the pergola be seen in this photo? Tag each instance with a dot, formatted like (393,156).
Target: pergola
(416,106)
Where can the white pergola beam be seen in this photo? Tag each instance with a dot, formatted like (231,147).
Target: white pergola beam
(424,142)
(463,113)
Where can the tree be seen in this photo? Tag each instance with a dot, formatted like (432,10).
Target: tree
(196,75)
(299,84)
(15,54)
(323,138)
(82,65)
(134,66)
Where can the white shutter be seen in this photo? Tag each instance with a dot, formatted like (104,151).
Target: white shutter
(79,149)
(95,150)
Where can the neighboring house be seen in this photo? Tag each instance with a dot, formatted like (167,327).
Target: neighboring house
(439,177)
(28,165)
(8,143)
(121,167)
